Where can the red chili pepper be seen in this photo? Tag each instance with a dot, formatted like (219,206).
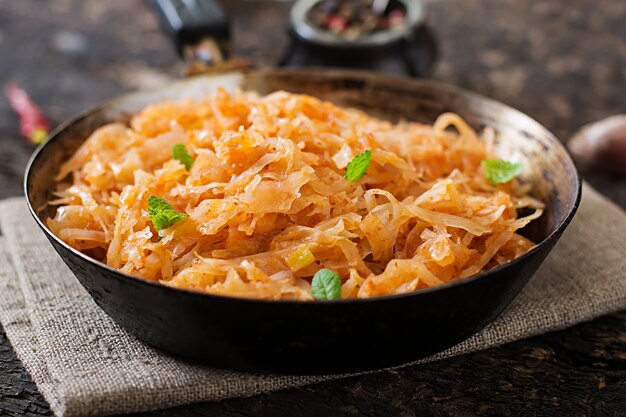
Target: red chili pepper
(33,124)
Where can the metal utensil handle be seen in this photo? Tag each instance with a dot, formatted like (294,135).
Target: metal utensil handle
(200,29)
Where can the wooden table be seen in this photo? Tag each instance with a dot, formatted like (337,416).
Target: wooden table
(563,63)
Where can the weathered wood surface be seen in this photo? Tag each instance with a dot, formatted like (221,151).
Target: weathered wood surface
(561,62)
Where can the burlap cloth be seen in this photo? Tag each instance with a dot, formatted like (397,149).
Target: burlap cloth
(84,364)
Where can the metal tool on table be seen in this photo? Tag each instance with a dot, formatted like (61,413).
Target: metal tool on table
(200,30)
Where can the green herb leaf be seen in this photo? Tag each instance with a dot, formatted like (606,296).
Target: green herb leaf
(180,153)
(358,166)
(498,171)
(326,285)
(162,214)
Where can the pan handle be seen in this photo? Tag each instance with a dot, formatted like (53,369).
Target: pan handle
(200,30)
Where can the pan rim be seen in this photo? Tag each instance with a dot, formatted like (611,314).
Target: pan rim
(364,75)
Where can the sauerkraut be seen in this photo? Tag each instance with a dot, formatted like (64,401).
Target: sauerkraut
(267,204)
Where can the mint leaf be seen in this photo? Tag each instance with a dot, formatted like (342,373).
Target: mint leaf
(180,153)
(498,171)
(358,166)
(162,214)
(326,285)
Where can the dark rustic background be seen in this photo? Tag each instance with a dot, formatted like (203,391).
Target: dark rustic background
(564,63)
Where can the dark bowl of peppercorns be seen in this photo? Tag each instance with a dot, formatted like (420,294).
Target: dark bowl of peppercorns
(355,23)
(376,35)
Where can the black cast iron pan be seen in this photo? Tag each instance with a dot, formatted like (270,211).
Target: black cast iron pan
(315,337)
